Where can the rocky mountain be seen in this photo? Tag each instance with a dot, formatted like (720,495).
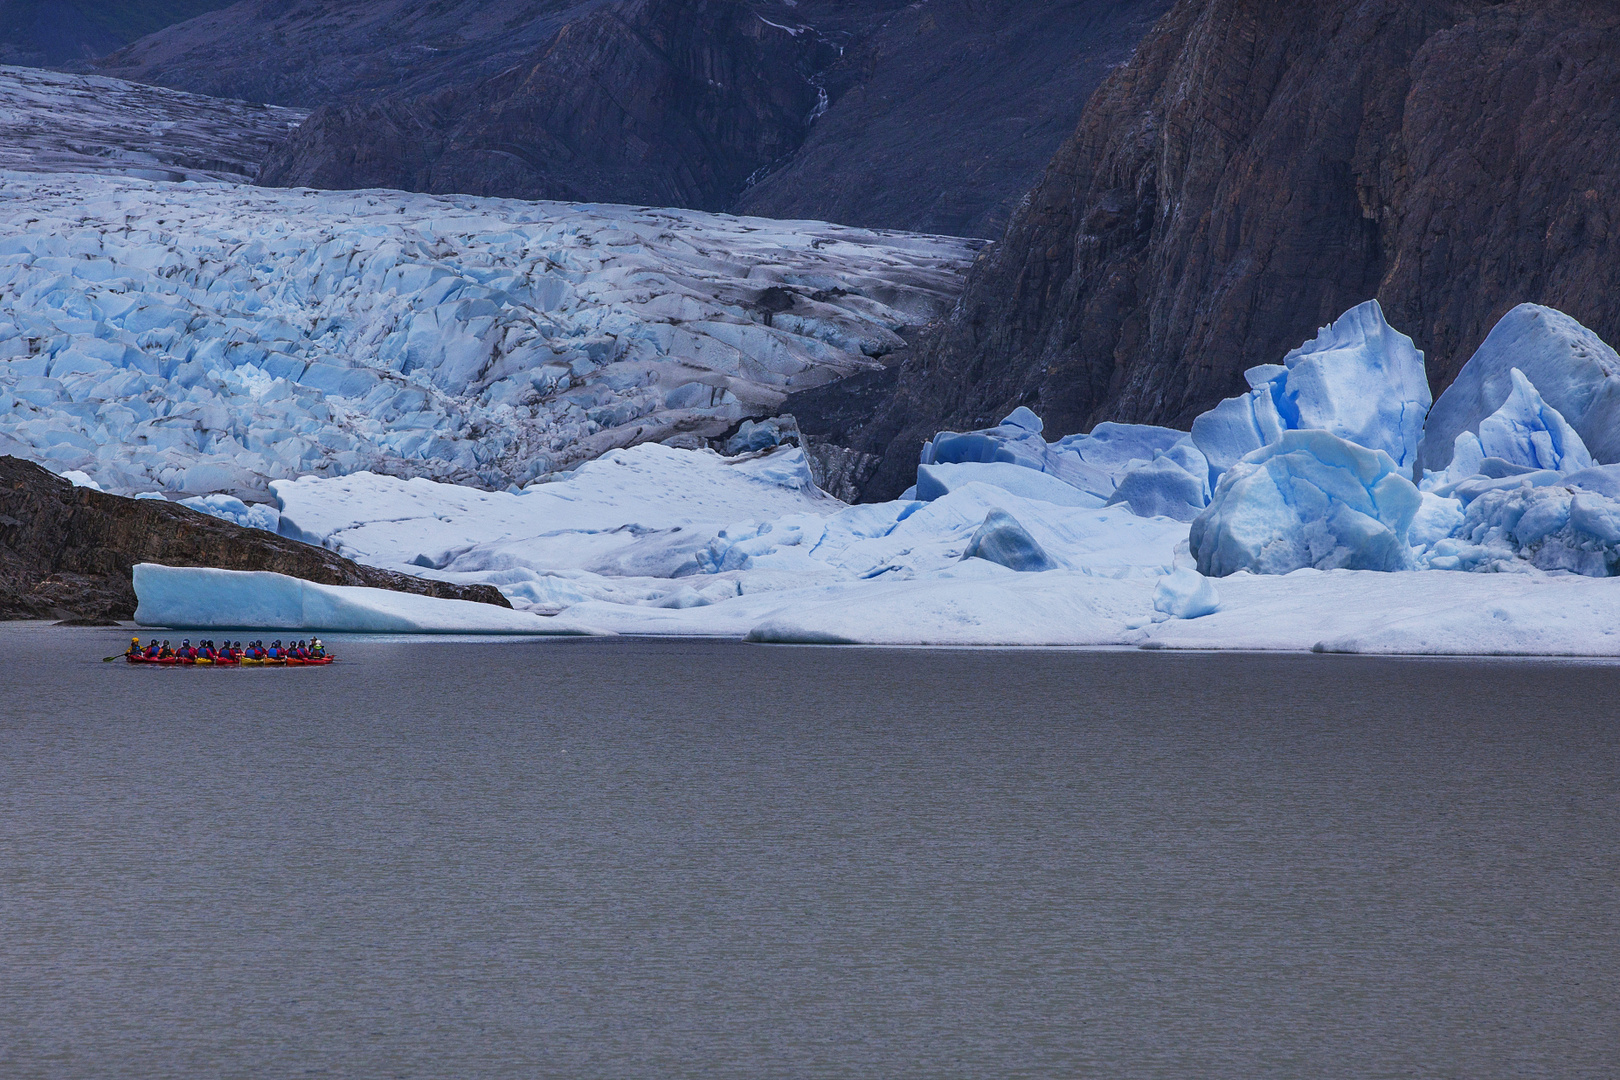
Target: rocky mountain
(53,32)
(67,552)
(943,118)
(1257,169)
(933,116)
(56,122)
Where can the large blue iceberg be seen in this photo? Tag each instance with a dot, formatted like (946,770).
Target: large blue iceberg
(1525,432)
(1310,499)
(1359,379)
(1571,367)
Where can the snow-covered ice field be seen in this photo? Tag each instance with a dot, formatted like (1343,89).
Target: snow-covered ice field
(198,338)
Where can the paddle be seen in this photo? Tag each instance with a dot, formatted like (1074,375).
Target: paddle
(110,659)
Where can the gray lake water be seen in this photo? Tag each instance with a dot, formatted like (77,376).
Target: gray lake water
(631,858)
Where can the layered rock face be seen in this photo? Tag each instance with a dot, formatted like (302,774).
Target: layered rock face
(1260,167)
(68,552)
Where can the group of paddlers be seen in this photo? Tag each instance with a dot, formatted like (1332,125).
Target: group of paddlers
(228,652)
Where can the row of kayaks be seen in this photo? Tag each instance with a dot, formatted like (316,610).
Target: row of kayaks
(246,661)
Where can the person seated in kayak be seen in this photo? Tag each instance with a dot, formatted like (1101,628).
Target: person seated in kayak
(134,647)
(316,649)
(303,649)
(275,650)
(153,651)
(165,652)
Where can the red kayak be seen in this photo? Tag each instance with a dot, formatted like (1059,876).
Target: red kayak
(311,662)
(152,659)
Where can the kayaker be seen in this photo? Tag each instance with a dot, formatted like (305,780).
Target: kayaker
(152,652)
(275,649)
(165,653)
(134,649)
(316,649)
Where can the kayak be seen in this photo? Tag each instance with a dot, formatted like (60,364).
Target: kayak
(202,662)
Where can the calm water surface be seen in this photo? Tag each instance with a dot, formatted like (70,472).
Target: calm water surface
(632,858)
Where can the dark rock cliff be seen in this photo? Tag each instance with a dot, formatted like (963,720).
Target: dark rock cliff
(67,552)
(1258,168)
(942,118)
(52,32)
(662,102)
(934,116)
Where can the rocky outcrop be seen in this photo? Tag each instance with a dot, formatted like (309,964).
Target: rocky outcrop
(53,122)
(67,552)
(1259,168)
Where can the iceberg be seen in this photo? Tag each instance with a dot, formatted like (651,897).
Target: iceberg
(1175,484)
(194,598)
(1525,432)
(1359,379)
(1186,594)
(1093,463)
(1309,500)
(940,479)
(1573,369)
(1001,540)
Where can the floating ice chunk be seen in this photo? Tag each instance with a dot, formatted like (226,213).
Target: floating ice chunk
(195,598)
(1359,379)
(1311,499)
(1002,540)
(938,480)
(1524,431)
(1186,594)
(229,508)
(1572,369)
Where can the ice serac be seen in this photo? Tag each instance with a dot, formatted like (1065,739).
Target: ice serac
(1573,369)
(199,598)
(1360,379)
(1002,540)
(1311,499)
(1525,431)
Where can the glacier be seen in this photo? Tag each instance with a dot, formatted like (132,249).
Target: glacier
(208,338)
(1319,542)
(1308,500)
